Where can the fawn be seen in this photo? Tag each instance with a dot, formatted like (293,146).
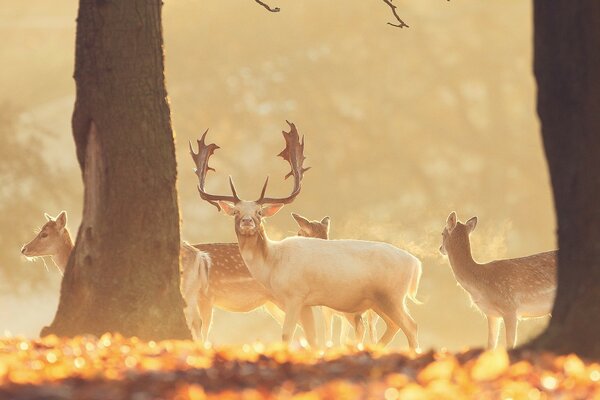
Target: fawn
(503,289)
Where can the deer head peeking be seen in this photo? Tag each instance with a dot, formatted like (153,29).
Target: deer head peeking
(249,214)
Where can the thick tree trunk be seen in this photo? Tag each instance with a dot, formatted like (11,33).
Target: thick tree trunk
(567,68)
(123,275)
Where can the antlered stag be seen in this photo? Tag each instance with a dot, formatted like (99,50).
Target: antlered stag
(350,276)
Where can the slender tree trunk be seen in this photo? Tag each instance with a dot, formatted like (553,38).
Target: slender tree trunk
(567,68)
(123,275)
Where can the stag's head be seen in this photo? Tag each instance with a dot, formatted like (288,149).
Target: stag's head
(48,241)
(249,214)
(456,233)
(314,229)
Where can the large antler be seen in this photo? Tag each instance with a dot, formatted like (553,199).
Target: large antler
(201,161)
(294,154)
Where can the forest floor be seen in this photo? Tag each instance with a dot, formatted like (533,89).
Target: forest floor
(112,367)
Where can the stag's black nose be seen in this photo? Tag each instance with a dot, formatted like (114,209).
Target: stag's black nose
(23,249)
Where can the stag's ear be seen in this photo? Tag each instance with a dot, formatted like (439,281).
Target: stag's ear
(325,221)
(301,221)
(471,224)
(451,221)
(271,209)
(227,208)
(48,217)
(61,220)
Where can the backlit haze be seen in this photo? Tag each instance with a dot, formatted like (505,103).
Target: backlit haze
(401,126)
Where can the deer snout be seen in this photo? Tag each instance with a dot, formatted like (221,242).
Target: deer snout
(247,222)
(24,249)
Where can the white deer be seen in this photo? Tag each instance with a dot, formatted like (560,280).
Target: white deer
(503,289)
(320,229)
(350,276)
(54,240)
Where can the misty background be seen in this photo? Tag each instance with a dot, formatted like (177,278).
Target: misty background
(402,127)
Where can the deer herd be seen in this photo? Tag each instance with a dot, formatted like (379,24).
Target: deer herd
(356,280)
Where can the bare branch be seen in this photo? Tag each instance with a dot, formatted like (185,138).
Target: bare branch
(400,24)
(268,7)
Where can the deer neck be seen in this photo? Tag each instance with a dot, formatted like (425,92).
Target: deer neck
(61,257)
(461,260)
(255,251)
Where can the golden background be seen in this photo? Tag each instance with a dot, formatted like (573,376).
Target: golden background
(402,127)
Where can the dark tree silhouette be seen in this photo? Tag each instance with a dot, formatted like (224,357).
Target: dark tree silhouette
(567,69)
(123,275)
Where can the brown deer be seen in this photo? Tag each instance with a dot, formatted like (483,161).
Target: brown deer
(320,230)
(504,289)
(54,240)
(350,276)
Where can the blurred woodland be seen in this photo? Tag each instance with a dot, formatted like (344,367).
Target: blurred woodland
(402,127)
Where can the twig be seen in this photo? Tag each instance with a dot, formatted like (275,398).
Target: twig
(401,24)
(265,5)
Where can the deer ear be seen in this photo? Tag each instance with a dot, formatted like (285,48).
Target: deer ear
(62,219)
(48,217)
(301,221)
(271,209)
(325,221)
(226,207)
(471,224)
(451,221)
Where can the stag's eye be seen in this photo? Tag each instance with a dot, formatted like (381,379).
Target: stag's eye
(44,235)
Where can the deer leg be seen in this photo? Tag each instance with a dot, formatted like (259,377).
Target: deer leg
(357,323)
(206,313)
(292,313)
(192,315)
(372,325)
(510,325)
(308,324)
(327,323)
(391,328)
(493,331)
(275,312)
(400,316)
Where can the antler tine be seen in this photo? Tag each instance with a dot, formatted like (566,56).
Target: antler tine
(232,186)
(294,155)
(201,161)
(263,191)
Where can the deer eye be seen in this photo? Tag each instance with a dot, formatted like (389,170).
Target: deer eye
(236,212)
(44,235)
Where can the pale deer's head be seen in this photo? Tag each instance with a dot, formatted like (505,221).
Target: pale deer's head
(315,229)
(456,233)
(50,238)
(249,214)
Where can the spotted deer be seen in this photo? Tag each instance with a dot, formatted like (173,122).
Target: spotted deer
(503,289)
(350,276)
(54,240)
(320,229)
(231,286)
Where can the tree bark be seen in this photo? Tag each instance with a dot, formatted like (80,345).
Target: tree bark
(567,69)
(123,275)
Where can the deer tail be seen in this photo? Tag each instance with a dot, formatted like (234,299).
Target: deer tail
(203,263)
